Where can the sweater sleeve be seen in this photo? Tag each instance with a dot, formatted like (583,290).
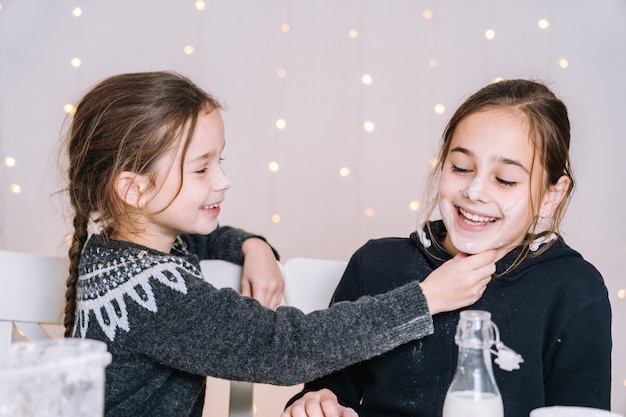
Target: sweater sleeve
(219,333)
(346,384)
(223,243)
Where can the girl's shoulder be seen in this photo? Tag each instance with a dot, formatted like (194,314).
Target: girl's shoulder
(558,266)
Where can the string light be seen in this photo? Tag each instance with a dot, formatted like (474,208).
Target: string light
(77,11)
(440,108)
(353,33)
(282,73)
(490,34)
(369,212)
(16,189)
(9,161)
(543,23)
(368,126)
(432,161)
(275,218)
(427,14)
(344,171)
(366,79)
(497,80)
(200,5)
(69,109)
(285,28)
(414,205)
(281,124)
(189,49)
(433,63)
(76,62)
(273,166)
(621,293)
(563,63)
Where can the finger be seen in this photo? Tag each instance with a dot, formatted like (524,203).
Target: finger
(296,409)
(246,288)
(313,408)
(483,258)
(348,412)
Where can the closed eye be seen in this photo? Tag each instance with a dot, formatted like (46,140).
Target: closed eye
(460,170)
(506,183)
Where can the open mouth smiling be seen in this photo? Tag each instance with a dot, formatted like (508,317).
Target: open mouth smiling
(475,219)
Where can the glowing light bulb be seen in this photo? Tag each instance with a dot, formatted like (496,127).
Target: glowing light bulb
(497,80)
(281,124)
(440,108)
(76,62)
(189,49)
(15,188)
(77,11)
(414,205)
(9,161)
(200,5)
(275,218)
(273,166)
(368,126)
(490,34)
(563,63)
(427,14)
(433,63)
(621,293)
(366,79)
(369,212)
(69,109)
(432,161)
(353,33)
(282,73)
(285,27)
(543,23)
(344,171)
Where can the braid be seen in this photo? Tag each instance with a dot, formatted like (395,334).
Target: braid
(78,242)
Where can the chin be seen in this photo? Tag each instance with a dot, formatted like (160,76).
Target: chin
(469,247)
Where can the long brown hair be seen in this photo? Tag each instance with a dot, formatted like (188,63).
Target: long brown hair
(549,130)
(124,123)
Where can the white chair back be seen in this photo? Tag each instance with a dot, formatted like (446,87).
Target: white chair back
(310,283)
(33,292)
(309,286)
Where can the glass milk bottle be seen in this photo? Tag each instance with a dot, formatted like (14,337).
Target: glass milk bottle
(473,391)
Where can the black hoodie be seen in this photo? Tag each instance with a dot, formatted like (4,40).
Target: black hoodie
(552,309)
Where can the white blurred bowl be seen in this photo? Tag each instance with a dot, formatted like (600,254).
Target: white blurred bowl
(562,411)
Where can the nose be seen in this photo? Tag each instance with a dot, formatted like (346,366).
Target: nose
(221,182)
(475,189)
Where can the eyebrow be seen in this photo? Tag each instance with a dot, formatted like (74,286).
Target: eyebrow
(501,160)
(202,157)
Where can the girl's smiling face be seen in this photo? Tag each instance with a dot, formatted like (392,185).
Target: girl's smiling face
(490,183)
(189,203)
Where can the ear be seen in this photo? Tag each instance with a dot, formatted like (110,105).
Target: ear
(130,188)
(554,196)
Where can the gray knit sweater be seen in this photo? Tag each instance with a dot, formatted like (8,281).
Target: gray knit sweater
(167,328)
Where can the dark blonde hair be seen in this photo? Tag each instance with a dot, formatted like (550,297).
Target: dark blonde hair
(124,123)
(549,131)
